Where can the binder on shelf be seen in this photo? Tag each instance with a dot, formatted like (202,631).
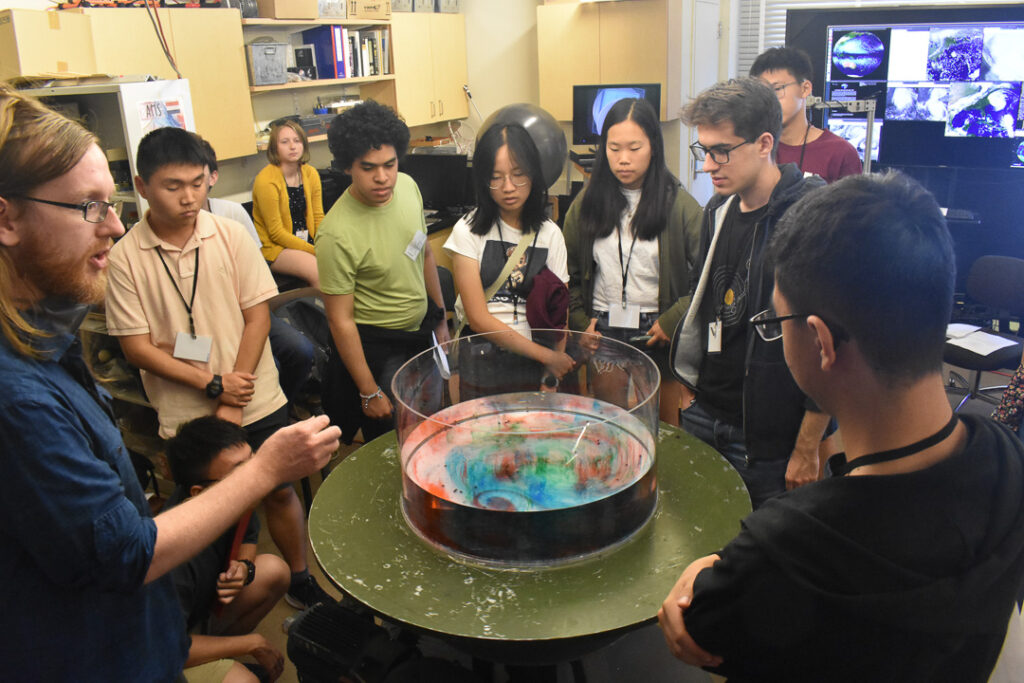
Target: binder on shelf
(338,44)
(323,38)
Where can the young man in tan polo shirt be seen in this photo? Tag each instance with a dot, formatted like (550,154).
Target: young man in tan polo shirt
(187,297)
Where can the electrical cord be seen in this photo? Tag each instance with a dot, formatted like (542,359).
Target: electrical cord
(158,28)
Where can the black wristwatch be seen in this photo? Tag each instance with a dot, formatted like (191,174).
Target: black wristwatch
(252,572)
(215,388)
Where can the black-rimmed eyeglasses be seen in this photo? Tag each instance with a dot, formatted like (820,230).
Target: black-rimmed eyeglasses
(93,211)
(769,325)
(719,153)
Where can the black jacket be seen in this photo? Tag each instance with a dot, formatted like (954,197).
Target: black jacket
(905,577)
(773,405)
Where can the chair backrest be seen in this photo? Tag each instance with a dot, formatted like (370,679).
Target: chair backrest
(998,282)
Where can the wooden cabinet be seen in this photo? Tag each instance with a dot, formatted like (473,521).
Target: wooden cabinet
(429,52)
(207,44)
(606,42)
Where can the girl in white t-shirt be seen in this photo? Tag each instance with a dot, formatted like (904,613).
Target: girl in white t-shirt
(511,200)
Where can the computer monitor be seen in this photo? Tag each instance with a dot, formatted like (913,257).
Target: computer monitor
(590,104)
(443,179)
(947,81)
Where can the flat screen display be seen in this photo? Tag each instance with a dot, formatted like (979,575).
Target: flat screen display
(590,105)
(959,71)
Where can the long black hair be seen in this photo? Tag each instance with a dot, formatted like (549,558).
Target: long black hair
(524,154)
(603,201)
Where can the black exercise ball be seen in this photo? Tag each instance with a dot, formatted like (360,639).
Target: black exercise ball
(543,128)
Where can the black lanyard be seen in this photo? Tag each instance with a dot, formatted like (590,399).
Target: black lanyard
(624,267)
(526,270)
(195,281)
(803,148)
(897,453)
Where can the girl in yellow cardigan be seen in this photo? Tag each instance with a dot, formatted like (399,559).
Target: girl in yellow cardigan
(287,204)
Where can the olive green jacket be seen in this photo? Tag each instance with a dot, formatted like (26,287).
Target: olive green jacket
(678,250)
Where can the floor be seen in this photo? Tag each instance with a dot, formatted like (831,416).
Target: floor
(638,656)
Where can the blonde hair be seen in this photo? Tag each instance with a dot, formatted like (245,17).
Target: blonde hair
(36,146)
(275,132)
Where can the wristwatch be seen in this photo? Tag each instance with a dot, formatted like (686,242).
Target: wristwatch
(252,572)
(215,388)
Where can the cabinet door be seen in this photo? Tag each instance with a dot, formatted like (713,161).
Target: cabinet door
(209,49)
(412,55)
(567,53)
(207,44)
(625,26)
(126,43)
(448,37)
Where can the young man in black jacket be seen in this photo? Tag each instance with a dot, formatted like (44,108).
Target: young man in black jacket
(742,399)
(905,564)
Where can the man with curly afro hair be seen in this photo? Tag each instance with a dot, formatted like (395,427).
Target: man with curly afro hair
(378,277)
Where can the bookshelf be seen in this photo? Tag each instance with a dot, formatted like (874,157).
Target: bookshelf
(270,102)
(427,69)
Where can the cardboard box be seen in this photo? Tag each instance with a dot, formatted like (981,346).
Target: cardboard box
(369,9)
(267,63)
(33,42)
(333,9)
(289,9)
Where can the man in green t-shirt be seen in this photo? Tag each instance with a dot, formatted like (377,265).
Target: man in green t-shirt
(377,274)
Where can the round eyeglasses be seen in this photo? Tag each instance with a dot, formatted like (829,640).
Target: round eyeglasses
(93,211)
(518,178)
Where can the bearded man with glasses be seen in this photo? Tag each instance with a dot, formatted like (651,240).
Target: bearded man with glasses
(741,398)
(86,592)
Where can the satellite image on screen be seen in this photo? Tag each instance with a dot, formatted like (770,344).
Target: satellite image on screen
(955,54)
(855,131)
(984,110)
(858,53)
(1003,56)
(916,103)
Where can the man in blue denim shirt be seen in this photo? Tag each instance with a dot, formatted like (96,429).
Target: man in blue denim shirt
(83,567)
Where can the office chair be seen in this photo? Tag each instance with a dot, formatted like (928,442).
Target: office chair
(997,284)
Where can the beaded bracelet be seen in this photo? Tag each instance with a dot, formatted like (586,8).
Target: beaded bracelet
(369,397)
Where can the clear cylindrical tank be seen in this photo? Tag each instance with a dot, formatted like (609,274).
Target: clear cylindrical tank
(503,465)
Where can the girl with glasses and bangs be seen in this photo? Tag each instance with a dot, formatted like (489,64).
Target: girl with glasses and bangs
(511,198)
(632,236)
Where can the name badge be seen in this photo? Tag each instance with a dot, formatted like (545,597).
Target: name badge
(416,245)
(187,347)
(715,337)
(302,235)
(624,315)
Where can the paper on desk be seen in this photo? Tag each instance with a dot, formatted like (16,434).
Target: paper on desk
(957,330)
(982,343)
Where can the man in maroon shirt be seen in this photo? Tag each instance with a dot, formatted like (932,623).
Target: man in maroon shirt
(787,70)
